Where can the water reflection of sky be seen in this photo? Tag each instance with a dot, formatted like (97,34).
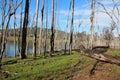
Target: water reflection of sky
(9,51)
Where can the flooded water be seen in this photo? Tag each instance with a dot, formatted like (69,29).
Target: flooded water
(9,51)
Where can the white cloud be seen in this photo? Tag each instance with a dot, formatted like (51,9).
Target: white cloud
(101,19)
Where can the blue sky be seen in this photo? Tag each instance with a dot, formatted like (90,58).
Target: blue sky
(82,14)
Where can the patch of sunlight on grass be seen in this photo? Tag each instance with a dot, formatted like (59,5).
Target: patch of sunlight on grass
(33,68)
(113,52)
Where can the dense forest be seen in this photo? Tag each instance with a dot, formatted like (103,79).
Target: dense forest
(59,39)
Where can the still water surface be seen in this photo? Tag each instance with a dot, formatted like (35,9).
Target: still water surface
(9,51)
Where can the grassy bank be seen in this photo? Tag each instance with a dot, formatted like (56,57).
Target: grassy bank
(58,67)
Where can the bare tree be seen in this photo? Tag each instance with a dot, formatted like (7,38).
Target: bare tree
(92,23)
(71,29)
(45,46)
(14,35)
(20,31)
(66,36)
(40,35)
(35,32)
(108,36)
(4,39)
(108,33)
(52,30)
(3,10)
(24,31)
(13,5)
(113,14)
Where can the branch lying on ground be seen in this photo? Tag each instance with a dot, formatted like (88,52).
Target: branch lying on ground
(98,55)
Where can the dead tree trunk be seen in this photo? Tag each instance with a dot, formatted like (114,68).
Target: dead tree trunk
(40,35)
(66,36)
(71,29)
(92,23)
(24,31)
(20,31)
(4,41)
(14,8)
(35,31)
(52,30)
(4,38)
(45,46)
(98,55)
(3,22)
(14,35)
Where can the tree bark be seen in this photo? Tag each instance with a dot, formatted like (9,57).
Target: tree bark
(71,29)
(20,32)
(14,35)
(45,46)
(40,35)
(35,32)
(3,22)
(98,55)
(24,31)
(4,37)
(92,23)
(52,30)
(4,40)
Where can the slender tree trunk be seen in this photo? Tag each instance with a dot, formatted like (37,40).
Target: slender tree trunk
(52,30)
(14,35)
(92,24)
(24,31)
(3,22)
(4,37)
(71,29)
(4,41)
(35,31)
(40,35)
(67,36)
(45,47)
(20,31)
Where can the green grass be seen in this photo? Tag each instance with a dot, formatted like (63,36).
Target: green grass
(113,52)
(58,67)
(51,67)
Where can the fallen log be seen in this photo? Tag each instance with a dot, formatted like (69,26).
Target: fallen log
(98,55)
(105,58)
(104,47)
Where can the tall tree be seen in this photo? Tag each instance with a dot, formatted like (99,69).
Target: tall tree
(40,35)
(13,5)
(71,28)
(92,23)
(4,3)
(4,38)
(24,30)
(45,46)
(52,30)
(35,31)
(3,10)
(14,35)
(20,32)
(66,36)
